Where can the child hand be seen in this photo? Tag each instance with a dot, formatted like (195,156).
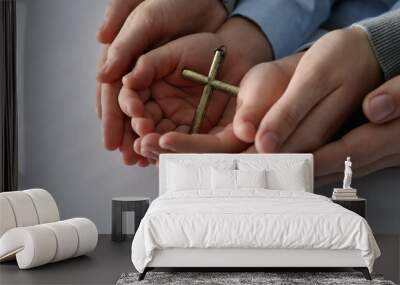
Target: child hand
(275,77)
(157,76)
(329,83)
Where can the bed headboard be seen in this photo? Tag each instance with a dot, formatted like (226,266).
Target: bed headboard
(214,157)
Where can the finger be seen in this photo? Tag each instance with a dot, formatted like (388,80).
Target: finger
(137,145)
(251,149)
(150,146)
(383,163)
(128,155)
(321,126)
(140,31)
(153,111)
(131,102)
(165,126)
(102,59)
(259,90)
(328,179)
(223,141)
(112,116)
(98,100)
(153,65)
(305,90)
(143,162)
(383,104)
(142,126)
(364,144)
(116,13)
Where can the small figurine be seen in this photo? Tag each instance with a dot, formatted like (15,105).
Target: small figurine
(346,192)
(348,173)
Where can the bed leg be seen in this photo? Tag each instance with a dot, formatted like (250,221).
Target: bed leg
(365,272)
(142,275)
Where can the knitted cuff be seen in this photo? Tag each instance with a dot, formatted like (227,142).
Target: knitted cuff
(229,5)
(384,37)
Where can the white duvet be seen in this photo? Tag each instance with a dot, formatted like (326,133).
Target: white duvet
(250,219)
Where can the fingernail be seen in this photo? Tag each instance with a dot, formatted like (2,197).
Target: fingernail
(269,142)
(104,69)
(126,78)
(108,65)
(249,127)
(247,131)
(381,107)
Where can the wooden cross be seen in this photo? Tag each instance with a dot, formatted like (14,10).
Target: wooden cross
(210,84)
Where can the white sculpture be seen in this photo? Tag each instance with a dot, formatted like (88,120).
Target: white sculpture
(348,173)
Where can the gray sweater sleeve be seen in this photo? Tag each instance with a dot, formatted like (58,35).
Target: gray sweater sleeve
(229,5)
(384,37)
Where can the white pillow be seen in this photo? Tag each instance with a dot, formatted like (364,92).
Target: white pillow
(223,179)
(188,175)
(251,178)
(183,178)
(281,175)
(226,179)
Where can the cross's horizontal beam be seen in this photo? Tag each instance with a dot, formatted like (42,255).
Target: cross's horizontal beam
(216,84)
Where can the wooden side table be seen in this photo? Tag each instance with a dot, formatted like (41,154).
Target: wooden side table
(139,205)
(358,206)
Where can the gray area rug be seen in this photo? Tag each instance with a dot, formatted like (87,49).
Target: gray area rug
(269,278)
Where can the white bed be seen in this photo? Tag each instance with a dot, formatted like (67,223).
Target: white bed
(198,223)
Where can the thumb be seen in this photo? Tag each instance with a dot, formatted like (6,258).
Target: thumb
(194,52)
(262,86)
(383,104)
(152,66)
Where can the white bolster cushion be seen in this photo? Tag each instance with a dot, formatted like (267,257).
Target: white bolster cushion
(46,207)
(40,244)
(23,208)
(7,219)
(26,208)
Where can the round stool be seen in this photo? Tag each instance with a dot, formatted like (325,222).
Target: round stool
(139,205)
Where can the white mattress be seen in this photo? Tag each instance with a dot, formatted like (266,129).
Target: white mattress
(253,218)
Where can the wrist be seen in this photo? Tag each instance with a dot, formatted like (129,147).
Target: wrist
(245,39)
(360,37)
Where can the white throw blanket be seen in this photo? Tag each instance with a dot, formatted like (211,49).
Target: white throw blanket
(250,218)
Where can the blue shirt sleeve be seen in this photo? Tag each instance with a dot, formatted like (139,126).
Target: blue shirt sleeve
(286,24)
(396,6)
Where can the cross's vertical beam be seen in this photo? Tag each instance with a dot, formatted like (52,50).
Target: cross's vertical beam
(207,91)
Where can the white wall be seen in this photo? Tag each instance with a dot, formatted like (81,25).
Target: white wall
(61,146)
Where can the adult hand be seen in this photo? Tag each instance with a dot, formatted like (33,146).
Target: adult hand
(383,104)
(157,76)
(373,146)
(116,13)
(116,128)
(144,28)
(152,23)
(329,84)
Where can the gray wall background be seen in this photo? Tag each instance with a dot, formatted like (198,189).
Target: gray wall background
(60,136)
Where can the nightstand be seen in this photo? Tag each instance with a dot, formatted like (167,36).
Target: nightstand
(358,206)
(138,205)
